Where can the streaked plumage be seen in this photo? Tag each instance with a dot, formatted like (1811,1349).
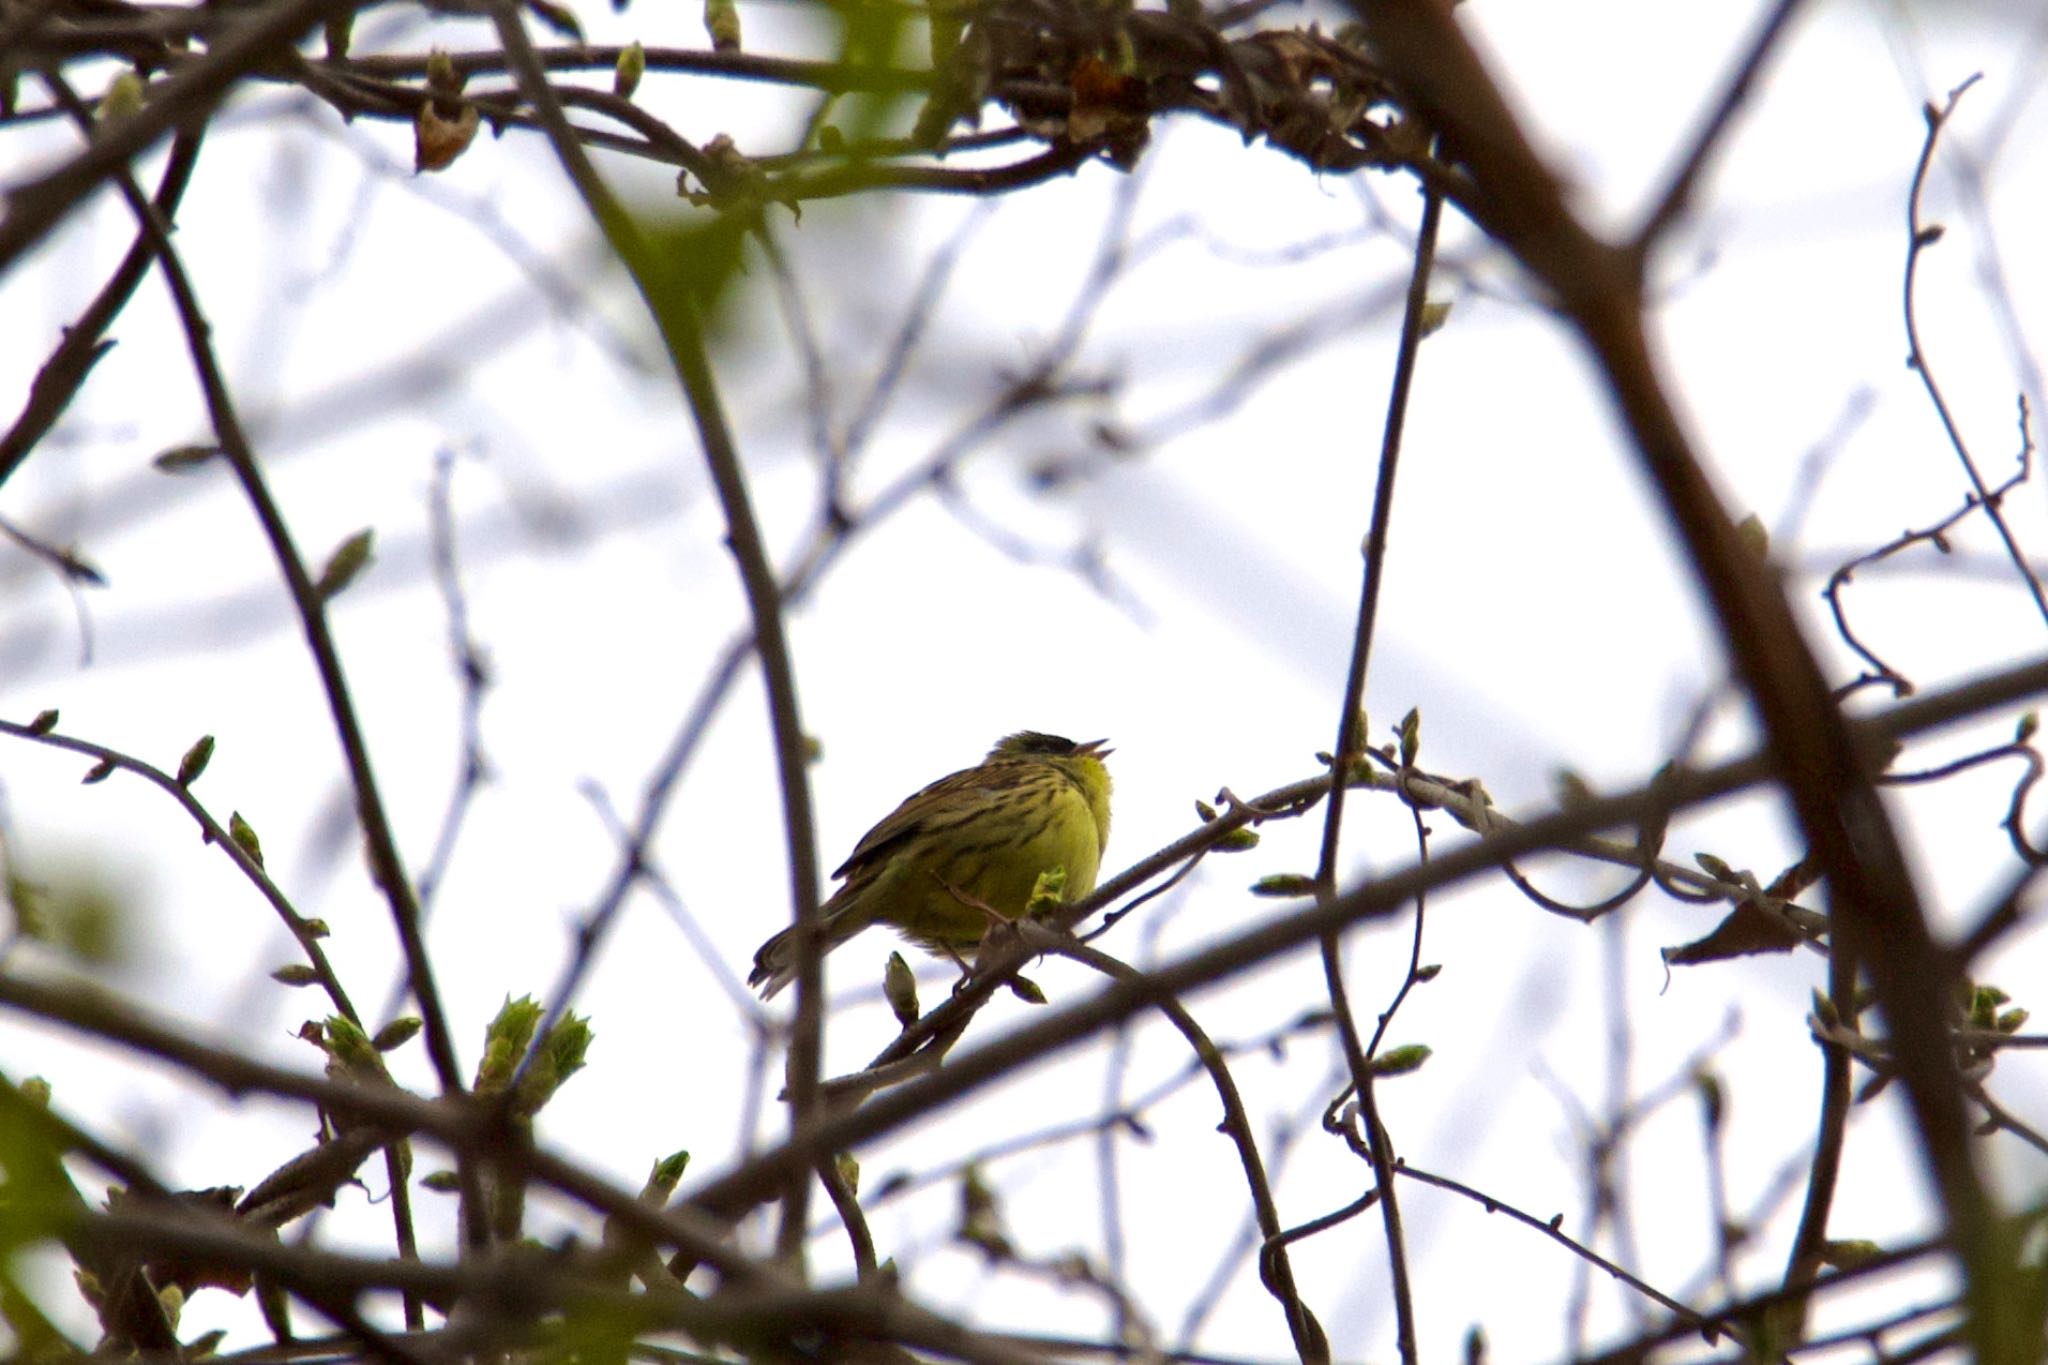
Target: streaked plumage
(1037,802)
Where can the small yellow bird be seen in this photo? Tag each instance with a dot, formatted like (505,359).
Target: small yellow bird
(972,843)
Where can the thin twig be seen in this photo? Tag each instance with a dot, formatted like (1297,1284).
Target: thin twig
(669,300)
(1919,238)
(1735,94)
(1275,1269)
(387,864)
(1350,740)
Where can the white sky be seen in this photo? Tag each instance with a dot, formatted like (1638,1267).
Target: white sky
(1535,611)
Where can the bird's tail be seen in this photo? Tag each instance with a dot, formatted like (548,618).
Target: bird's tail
(775,964)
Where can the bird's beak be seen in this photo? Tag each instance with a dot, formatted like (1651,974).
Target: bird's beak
(1094,748)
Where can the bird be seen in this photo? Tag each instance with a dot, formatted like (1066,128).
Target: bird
(970,846)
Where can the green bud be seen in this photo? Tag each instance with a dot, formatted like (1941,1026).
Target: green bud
(505,1041)
(296,974)
(1847,1255)
(2011,1020)
(349,1051)
(1434,315)
(1715,867)
(44,722)
(2025,730)
(849,1170)
(568,1044)
(1572,790)
(195,760)
(722,22)
(1204,811)
(1754,536)
(627,71)
(123,98)
(1399,1061)
(981,1216)
(441,72)
(1048,893)
(561,1056)
(1237,841)
(899,985)
(36,1091)
(666,1174)
(348,560)
(1824,1010)
(180,458)
(559,18)
(1027,990)
(1984,1003)
(338,30)
(1429,971)
(245,838)
(397,1033)
(1708,1087)
(1283,884)
(442,1182)
(1411,737)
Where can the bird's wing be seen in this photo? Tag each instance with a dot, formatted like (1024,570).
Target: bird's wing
(898,825)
